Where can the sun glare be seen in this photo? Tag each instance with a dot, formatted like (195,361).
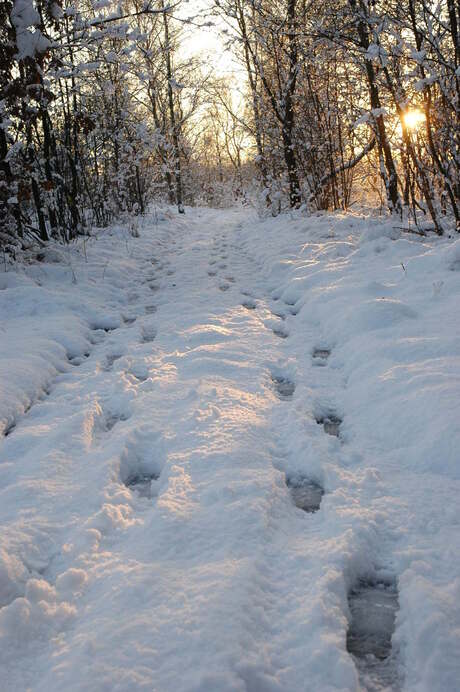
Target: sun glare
(413,119)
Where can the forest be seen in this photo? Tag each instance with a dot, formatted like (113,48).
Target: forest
(337,104)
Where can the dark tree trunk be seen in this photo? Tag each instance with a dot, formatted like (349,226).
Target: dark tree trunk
(172,116)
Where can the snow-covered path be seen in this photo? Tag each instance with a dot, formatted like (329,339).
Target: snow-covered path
(150,541)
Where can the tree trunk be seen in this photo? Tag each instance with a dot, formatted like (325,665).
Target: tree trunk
(172,116)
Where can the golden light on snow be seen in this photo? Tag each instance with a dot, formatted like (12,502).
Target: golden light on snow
(413,118)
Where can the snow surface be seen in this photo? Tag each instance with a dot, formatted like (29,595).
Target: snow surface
(149,539)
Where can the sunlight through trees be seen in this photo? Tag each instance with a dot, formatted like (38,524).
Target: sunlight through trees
(102,111)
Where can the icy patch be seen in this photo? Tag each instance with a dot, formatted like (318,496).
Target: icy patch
(373,606)
(307,494)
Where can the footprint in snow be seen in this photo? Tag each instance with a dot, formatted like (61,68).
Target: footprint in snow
(279,332)
(150,309)
(373,606)
(249,304)
(139,371)
(97,336)
(129,319)
(9,429)
(105,326)
(148,334)
(224,287)
(320,355)
(284,387)
(78,360)
(142,462)
(110,360)
(306,494)
(330,422)
(211,272)
(142,483)
(111,420)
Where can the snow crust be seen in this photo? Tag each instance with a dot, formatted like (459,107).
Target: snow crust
(157,358)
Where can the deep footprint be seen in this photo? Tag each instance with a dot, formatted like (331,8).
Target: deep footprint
(307,495)
(280,333)
(110,360)
(128,319)
(142,483)
(284,387)
(330,423)
(111,419)
(320,355)
(249,304)
(373,607)
(78,360)
(9,429)
(148,335)
(280,315)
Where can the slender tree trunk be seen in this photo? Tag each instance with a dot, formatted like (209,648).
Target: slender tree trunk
(172,116)
(288,122)
(389,169)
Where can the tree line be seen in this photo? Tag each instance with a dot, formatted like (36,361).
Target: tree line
(101,113)
(354,95)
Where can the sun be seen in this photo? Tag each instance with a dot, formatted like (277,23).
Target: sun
(413,118)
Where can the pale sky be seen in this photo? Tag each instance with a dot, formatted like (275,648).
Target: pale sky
(207,41)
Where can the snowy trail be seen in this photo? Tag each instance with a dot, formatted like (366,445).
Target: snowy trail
(150,540)
(212,528)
